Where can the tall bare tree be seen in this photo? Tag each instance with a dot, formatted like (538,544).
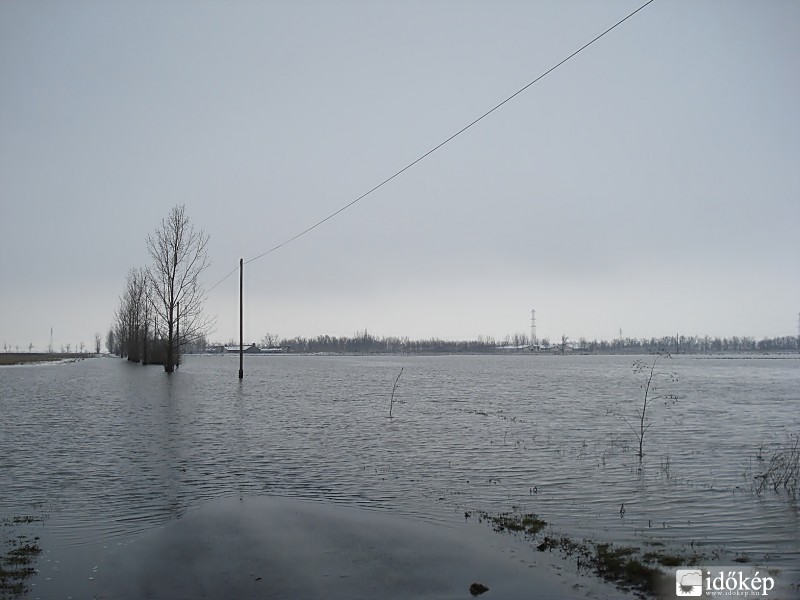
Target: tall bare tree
(179,256)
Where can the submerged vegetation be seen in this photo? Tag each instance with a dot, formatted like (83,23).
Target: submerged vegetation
(782,471)
(529,524)
(18,558)
(646,572)
(624,566)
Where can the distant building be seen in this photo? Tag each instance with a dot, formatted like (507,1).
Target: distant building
(273,350)
(251,349)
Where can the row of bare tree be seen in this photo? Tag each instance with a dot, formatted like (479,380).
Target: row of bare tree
(161,308)
(367,343)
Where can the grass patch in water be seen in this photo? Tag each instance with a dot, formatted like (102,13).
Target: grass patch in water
(666,560)
(520,523)
(645,572)
(622,565)
(17,520)
(619,564)
(22,555)
(17,563)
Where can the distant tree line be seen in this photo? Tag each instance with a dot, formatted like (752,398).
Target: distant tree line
(690,344)
(161,308)
(366,343)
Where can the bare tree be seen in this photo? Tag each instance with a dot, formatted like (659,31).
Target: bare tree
(132,316)
(270,340)
(98,340)
(179,256)
(651,387)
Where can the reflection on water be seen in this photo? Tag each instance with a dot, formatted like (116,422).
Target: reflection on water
(110,449)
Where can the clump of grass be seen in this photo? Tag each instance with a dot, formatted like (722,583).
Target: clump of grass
(621,565)
(645,573)
(665,560)
(22,519)
(18,561)
(783,469)
(533,524)
(22,555)
(613,558)
(566,545)
(528,523)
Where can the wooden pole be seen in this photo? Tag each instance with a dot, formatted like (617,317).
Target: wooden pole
(241,319)
(177,334)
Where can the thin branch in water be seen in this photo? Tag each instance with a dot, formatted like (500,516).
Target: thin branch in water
(394,388)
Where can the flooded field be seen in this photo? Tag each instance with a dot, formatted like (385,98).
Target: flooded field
(101,450)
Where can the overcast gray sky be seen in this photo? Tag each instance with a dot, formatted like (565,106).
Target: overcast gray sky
(651,184)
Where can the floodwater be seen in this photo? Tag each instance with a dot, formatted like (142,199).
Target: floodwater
(105,450)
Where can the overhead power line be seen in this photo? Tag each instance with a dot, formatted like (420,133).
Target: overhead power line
(236,268)
(436,147)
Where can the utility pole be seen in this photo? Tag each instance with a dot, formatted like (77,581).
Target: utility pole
(533,329)
(177,334)
(241,319)
(50,347)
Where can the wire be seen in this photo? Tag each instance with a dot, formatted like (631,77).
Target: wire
(439,145)
(223,279)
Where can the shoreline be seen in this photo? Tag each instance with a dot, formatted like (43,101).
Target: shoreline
(26,358)
(778,355)
(8,359)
